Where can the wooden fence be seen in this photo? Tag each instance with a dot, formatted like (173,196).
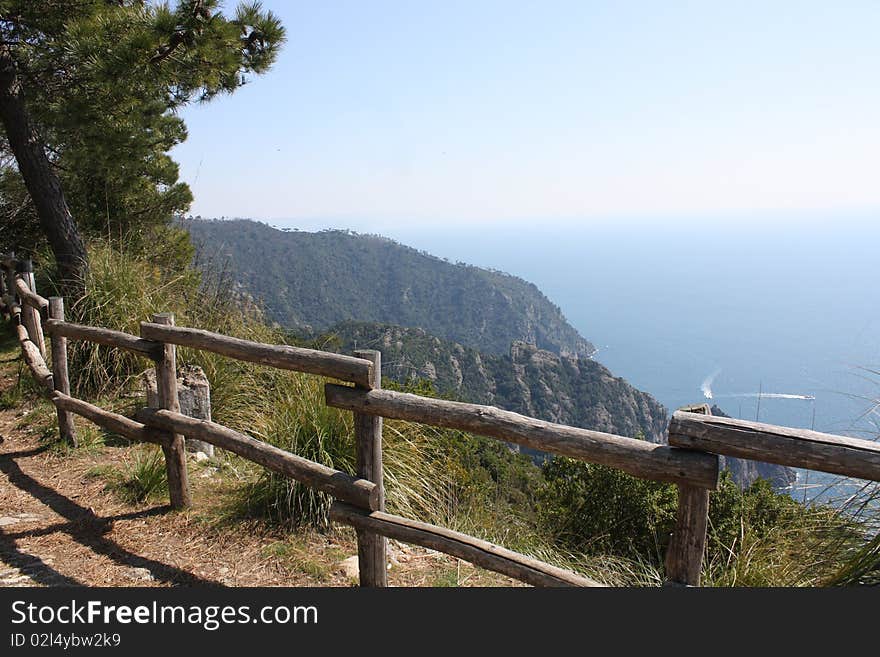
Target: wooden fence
(690,460)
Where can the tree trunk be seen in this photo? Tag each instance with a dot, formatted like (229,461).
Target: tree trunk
(41,181)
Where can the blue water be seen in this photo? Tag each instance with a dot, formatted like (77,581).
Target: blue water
(791,308)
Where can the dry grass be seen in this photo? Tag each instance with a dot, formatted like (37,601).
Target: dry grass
(74,528)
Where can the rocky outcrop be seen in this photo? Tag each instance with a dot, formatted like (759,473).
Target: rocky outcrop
(568,389)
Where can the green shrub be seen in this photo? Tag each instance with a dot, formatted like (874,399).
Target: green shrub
(598,509)
(144,477)
(756,537)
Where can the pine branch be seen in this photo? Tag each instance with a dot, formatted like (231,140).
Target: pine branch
(180,36)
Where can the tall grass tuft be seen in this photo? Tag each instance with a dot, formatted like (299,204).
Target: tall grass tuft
(124,289)
(144,477)
(862,567)
(803,551)
(121,291)
(295,419)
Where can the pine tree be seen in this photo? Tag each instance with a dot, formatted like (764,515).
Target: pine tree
(89,94)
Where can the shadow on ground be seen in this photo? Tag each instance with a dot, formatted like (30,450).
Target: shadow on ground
(83,526)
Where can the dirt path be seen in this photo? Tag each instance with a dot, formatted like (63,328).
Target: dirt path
(61,526)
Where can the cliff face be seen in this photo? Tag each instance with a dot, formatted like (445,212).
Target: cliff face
(565,389)
(580,392)
(310,282)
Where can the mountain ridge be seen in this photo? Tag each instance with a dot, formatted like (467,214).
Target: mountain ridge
(313,281)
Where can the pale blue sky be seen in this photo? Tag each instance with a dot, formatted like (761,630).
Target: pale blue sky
(384,113)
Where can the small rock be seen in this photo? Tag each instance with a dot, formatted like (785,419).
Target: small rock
(349,568)
(138,574)
(201,456)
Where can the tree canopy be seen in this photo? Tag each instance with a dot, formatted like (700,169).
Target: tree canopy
(100,83)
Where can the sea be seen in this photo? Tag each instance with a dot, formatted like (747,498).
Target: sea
(771,318)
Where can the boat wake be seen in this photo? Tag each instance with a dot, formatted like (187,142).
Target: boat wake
(706,385)
(769,395)
(706,389)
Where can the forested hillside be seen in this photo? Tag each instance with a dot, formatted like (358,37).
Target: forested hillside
(310,282)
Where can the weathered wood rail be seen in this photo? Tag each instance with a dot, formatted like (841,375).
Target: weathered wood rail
(106,337)
(358,491)
(636,457)
(690,460)
(310,361)
(475,550)
(800,448)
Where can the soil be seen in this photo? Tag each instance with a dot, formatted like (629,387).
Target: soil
(62,523)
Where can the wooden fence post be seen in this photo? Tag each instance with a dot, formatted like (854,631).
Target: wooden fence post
(684,556)
(372,547)
(10,274)
(7,312)
(175,452)
(30,315)
(59,372)
(194,397)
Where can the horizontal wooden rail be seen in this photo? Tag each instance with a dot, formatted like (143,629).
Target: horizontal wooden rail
(311,361)
(113,422)
(103,336)
(30,298)
(479,552)
(34,360)
(361,492)
(637,457)
(12,307)
(799,448)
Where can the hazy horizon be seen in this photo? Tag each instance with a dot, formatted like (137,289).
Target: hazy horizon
(494,112)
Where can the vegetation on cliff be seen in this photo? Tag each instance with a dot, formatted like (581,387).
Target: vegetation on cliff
(312,281)
(569,390)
